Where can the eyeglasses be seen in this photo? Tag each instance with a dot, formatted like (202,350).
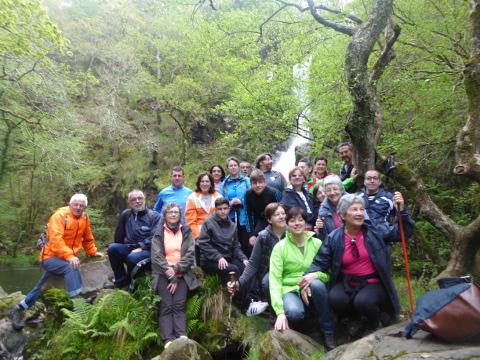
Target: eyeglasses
(354,247)
(372,178)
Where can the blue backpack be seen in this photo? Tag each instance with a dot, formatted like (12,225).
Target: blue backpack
(451,313)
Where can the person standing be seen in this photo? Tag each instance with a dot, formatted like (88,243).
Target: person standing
(234,189)
(274,179)
(173,256)
(68,231)
(175,193)
(257,198)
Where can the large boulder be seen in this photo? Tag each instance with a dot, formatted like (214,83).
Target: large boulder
(2,292)
(9,301)
(184,349)
(95,273)
(382,345)
(12,342)
(279,345)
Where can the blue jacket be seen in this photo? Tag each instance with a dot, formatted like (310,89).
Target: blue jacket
(172,195)
(379,207)
(329,257)
(136,229)
(326,214)
(291,199)
(237,188)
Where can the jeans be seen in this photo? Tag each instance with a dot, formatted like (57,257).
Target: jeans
(120,254)
(55,266)
(295,308)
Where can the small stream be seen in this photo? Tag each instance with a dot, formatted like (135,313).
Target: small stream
(19,279)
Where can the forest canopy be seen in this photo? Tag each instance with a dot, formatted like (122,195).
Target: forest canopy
(104,96)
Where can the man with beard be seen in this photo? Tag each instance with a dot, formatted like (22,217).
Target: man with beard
(133,238)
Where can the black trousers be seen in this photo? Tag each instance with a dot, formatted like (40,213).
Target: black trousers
(172,321)
(367,302)
(211,267)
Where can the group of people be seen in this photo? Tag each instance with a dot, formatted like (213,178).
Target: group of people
(296,243)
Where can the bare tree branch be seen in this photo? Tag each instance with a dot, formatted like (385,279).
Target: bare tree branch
(344,29)
(386,56)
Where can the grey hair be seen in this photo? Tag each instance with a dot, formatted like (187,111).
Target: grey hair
(134,191)
(346,201)
(333,180)
(79,197)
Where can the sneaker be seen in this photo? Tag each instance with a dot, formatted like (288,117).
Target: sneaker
(329,342)
(256,308)
(184,337)
(16,316)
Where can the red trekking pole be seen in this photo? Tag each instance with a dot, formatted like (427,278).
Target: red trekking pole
(405,259)
(389,167)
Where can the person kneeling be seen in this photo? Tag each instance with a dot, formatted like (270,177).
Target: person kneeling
(357,256)
(220,251)
(256,271)
(173,256)
(290,258)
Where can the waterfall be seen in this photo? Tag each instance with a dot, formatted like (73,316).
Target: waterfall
(285,160)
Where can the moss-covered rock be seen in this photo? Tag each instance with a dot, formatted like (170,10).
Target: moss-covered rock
(288,345)
(184,349)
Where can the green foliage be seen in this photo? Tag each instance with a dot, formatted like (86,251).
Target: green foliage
(118,326)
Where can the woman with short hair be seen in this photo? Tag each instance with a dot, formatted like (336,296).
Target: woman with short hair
(289,260)
(357,257)
(173,256)
(328,218)
(296,195)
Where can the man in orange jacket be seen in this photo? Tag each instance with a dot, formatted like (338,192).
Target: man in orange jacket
(68,231)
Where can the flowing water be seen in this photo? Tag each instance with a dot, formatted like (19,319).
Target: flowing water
(285,160)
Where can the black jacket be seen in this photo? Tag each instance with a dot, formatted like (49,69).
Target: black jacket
(291,199)
(219,238)
(136,229)
(259,262)
(377,239)
(256,207)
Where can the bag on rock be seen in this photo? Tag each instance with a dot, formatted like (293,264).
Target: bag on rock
(451,313)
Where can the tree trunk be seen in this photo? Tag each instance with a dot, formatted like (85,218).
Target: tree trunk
(467,150)
(361,124)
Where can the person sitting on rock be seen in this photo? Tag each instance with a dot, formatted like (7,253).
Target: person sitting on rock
(359,263)
(259,263)
(133,238)
(220,251)
(68,230)
(290,258)
(173,257)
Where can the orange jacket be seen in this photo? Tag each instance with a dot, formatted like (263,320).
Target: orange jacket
(65,241)
(196,213)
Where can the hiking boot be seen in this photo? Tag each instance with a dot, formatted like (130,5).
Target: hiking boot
(256,308)
(329,342)
(16,316)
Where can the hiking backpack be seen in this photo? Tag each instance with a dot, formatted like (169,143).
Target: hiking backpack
(43,238)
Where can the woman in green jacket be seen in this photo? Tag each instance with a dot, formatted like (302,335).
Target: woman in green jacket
(290,258)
